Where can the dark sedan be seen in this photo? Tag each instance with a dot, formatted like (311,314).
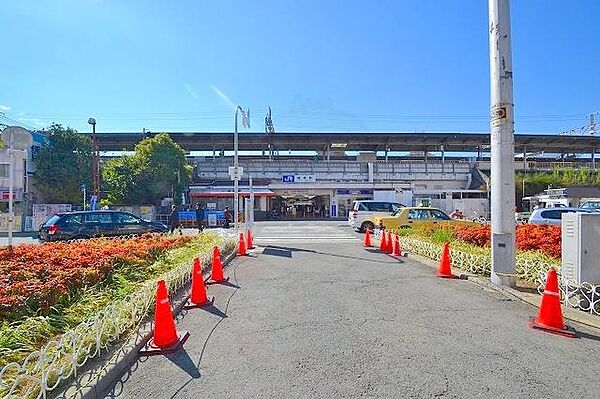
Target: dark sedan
(88,224)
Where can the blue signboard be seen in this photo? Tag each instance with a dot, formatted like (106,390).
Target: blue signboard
(288,178)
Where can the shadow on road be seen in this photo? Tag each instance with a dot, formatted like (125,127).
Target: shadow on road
(585,335)
(214,310)
(182,360)
(225,283)
(277,252)
(312,251)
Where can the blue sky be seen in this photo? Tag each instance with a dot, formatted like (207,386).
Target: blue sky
(396,65)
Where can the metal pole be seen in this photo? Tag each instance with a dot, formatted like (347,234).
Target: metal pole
(251,212)
(11,172)
(502,145)
(236,187)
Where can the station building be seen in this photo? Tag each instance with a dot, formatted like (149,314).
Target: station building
(297,187)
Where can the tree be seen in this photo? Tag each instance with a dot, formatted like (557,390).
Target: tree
(62,165)
(156,170)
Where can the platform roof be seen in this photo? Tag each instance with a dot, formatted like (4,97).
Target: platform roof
(356,141)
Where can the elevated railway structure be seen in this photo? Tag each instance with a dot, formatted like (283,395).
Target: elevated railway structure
(327,142)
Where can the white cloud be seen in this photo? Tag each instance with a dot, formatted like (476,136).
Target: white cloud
(191,91)
(222,96)
(5,108)
(35,122)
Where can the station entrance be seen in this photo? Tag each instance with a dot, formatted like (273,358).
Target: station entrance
(301,206)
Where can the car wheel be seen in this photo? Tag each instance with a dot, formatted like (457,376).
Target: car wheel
(367,225)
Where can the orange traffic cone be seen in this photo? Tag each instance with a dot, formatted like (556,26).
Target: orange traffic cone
(389,243)
(249,239)
(217,266)
(198,298)
(242,246)
(396,247)
(165,339)
(550,316)
(382,244)
(367,242)
(444,269)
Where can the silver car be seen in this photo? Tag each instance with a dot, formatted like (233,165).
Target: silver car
(552,215)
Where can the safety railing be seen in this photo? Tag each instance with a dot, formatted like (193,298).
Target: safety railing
(585,296)
(43,370)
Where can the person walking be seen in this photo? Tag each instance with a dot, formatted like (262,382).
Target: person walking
(200,216)
(174,219)
(227,216)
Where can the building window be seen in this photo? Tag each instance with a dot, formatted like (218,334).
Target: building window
(4,170)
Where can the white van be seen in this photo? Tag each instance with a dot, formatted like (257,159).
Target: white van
(363,213)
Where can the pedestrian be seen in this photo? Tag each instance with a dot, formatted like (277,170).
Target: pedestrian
(456,214)
(227,216)
(200,216)
(174,219)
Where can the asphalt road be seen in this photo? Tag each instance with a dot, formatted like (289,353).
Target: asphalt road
(317,315)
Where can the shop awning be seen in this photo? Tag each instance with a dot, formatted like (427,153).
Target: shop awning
(226,192)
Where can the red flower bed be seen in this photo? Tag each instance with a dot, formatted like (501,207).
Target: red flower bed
(529,237)
(41,276)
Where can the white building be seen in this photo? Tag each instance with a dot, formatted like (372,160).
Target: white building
(301,187)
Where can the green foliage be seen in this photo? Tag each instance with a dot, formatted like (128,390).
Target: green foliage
(442,236)
(63,163)
(19,338)
(157,169)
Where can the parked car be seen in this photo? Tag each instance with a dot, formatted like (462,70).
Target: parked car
(88,224)
(591,204)
(408,217)
(553,215)
(363,213)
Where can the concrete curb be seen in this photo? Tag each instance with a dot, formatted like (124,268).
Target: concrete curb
(571,314)
(92,385)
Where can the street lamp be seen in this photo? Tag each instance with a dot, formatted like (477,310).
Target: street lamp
(95,166)
(236,175)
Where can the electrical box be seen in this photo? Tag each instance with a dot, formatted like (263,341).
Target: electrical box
(581,248)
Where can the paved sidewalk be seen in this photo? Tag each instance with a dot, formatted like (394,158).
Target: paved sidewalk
(313,318)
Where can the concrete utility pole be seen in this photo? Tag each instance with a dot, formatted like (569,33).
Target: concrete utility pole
(236,175)
(502,146)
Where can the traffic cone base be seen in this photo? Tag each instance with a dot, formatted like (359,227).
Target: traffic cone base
(208,302)
(565,332)
(150,349)
(446,275)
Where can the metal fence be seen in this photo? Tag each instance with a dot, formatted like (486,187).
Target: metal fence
(43,370)
(529,267)
(585,297)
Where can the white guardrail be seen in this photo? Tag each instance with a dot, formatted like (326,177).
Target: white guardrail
(585,297)
(43,370)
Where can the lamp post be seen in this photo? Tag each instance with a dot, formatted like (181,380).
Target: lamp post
(236,175)
(95,166)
